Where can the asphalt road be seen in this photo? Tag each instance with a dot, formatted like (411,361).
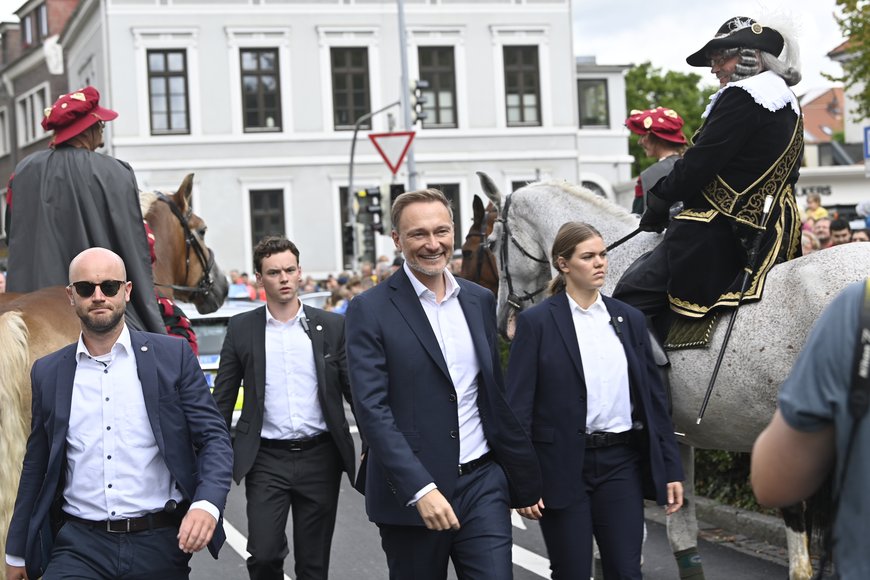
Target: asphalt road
(357,555)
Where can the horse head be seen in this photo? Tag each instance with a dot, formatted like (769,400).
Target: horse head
(478,261)
(185,267)
(523,264)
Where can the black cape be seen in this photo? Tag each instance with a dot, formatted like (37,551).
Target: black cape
(67,200)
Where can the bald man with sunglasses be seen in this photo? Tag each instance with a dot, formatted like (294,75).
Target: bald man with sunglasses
(128,463)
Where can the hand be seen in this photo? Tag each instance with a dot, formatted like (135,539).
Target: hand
(196,531)
(533,512)
(15,573)
(651,221)
(436,512)
(675,497)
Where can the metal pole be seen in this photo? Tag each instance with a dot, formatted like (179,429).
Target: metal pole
(351,214)
(406,87)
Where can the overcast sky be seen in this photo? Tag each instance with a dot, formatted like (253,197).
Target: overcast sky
(667,31)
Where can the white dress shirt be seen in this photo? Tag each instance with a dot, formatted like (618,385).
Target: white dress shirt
(291,407)
(605,368)
(454,339)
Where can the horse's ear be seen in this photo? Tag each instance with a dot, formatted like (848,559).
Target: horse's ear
(490,189)
(185,190)
(477,205)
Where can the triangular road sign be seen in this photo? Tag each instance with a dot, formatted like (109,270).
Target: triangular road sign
(392,147)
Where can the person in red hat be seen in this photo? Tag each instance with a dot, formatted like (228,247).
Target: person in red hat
(749,147)
(69,198)
(661,137)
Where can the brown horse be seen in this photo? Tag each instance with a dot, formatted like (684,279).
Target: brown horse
(478,262)
(38,323)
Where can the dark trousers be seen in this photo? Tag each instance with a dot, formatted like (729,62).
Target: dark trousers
(306,481)
(88,553)
(612,509)
(480,548)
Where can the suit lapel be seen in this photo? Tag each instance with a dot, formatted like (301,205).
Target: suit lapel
(66,372)
(146,368)
(473,312)
(563,318)
(258,351)
(315,333)
(408,305)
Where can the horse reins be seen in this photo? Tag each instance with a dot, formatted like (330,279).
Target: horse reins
(207,262)
(515,301)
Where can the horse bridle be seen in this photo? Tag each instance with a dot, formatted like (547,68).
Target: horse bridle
(507,238)
(191,242)
(481,250)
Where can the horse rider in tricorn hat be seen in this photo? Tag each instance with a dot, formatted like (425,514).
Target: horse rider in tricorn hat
(749,146)
(69,198)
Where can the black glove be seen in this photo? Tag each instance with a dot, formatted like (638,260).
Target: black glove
(651,221)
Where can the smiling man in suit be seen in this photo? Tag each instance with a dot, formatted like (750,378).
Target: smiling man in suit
(128,463)
(292,441)
(447,457)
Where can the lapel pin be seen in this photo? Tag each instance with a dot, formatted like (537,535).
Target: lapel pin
(619,318)
(144,349)
(319,327)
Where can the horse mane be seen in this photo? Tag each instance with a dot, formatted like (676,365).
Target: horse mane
(586,195)
(146,200)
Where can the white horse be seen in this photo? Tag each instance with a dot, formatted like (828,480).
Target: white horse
(766,338)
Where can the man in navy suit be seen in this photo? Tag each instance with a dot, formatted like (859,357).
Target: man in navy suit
(128,463)
(446,456)
(292,441)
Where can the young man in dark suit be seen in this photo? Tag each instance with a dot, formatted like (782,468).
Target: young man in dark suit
(292,441)
(446,457)
(128,463)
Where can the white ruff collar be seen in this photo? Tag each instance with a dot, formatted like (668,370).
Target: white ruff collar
(767,89)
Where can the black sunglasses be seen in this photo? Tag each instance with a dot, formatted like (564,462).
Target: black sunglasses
(107,287)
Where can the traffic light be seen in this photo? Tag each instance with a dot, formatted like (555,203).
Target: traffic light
(419,100)
(348,240)
(375,210)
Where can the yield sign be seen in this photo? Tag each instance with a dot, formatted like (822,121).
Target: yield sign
(392,147)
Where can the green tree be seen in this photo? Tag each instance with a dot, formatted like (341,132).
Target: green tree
(647,87)
(855,26)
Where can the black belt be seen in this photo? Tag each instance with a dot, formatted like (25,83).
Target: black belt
(466,468)
(296,444)
(603,439)
(151,521)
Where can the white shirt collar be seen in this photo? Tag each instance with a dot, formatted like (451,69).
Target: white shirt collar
(124,343)
(768,89)
(299,314)
(451,286)
(598,305)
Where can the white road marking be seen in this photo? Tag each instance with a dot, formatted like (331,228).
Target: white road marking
(530,561)
(239,543)
(517,520)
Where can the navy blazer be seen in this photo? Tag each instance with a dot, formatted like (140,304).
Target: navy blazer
(406,405)
(547,389)
(243,358)
(190,433)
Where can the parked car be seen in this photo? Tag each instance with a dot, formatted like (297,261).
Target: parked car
(211,329)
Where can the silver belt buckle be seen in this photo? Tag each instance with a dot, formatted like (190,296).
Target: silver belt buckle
(111,531)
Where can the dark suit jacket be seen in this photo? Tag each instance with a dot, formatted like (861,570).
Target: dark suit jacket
(190,434)
(405,401)
(547,389)
(243,357)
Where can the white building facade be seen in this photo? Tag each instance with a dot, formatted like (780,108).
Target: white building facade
(258,98)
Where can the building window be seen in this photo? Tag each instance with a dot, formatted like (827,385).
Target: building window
(31,109)
(593,103)
(522,86)
(27,30)
(41,22)
(261,89)
(167,92)
(4,133)
(451,192)
(350,86)
(267,214)
(438,68)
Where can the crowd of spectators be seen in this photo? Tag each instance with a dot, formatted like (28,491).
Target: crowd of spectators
(821,229)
